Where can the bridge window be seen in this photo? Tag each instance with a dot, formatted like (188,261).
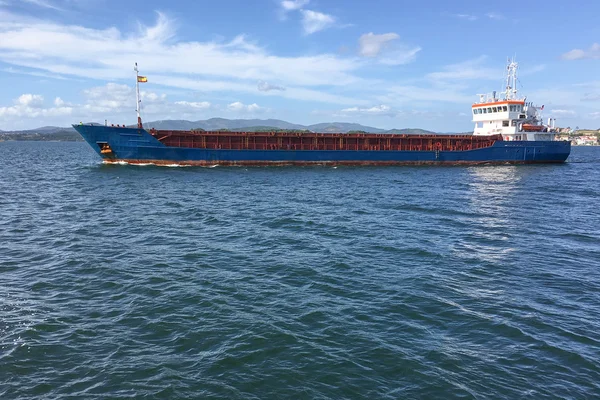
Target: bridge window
(494,109)
(489,110)
(474,111)
(484,110)
(504,107)
(505,123)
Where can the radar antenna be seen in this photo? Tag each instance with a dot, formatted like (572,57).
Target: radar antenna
(511,80)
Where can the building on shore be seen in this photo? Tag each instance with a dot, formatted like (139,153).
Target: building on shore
(585,140)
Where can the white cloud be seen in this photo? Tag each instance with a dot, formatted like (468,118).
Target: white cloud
(112,97)
(12,70)
(109,101)
(201,105)
(241,107)
(413,95)
(108,54)
(473,17)
(162,31)
(468,17)
(577,54)
(254,107)
(43,4)
(287,6)
(385,111)
(580,96)
(32,106)
(494,15)
(376,110)
(467,70)
(372,45)
(400,56)
(314,21)
(30,100)
(314,95)
(591,97)
(595,115)
(562,113)
(151,96)
(118,98)
(594,85)
(291,5)
(532,70)
(295,93)
(267,87)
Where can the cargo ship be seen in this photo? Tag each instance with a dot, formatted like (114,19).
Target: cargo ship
(508,130)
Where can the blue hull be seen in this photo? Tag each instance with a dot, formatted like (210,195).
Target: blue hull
(135,145)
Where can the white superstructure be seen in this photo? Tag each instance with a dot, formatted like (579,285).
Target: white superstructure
(513,117)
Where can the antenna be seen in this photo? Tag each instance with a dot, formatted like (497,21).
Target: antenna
(511,80)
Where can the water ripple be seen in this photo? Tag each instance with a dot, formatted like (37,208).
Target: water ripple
(315,282)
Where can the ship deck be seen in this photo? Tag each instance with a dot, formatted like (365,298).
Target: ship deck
(321,141)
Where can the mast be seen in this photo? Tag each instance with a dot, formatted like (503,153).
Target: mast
(138,101)
(511,80)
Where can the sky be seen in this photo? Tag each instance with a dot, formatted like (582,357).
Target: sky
(383,63)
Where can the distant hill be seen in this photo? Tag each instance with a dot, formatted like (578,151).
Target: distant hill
(43,129)
(265,129)
(245,124)
(410,131)
(63,135)
(342,127)
(49,129)
(212,124)
(171,124)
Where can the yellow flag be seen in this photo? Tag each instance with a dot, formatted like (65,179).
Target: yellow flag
(142,79)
